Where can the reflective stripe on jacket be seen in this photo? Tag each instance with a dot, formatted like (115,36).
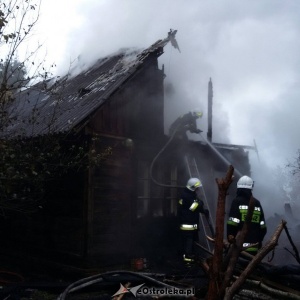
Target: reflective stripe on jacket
(188,227)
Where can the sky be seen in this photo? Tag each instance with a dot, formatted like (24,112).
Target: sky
(250,50)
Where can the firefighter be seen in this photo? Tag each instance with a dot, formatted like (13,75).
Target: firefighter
(237,215)
(189,208)
(187,122)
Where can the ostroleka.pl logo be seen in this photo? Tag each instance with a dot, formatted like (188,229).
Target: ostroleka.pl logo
(142,290)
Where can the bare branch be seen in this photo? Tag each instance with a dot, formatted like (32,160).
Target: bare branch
(296,255)
(215,271)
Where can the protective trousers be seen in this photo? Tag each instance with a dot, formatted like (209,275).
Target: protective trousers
(188,239)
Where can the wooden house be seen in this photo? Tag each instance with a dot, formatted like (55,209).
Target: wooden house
(116,211)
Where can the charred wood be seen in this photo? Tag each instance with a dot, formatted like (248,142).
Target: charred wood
(230,291)
(296,255)
(270,289)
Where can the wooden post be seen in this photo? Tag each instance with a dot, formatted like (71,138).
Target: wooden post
(216,264)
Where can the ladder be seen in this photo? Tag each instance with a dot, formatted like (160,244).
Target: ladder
(206,224)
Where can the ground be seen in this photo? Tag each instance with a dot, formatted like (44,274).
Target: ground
(22,282)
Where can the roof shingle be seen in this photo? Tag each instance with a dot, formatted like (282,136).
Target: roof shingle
(40,111)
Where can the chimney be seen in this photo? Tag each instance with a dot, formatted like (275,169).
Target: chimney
(209,106)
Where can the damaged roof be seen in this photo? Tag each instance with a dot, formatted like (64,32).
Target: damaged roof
(55,107)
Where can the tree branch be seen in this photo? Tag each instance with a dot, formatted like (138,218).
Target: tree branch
(215,269)
(296,255)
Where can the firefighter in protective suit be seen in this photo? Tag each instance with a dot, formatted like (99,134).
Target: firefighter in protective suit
(188,210)
(237,215)
(187,122)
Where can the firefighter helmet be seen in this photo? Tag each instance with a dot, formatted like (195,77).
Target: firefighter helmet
(245,182)
(198,113)
(193,184)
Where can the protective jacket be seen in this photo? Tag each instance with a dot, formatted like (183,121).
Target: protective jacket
(189,208)
(183,124)
(237,215)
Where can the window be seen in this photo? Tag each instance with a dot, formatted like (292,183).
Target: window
(173,193)
(155,200)
(143,189)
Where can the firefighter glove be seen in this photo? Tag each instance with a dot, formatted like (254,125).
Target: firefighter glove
(198,131)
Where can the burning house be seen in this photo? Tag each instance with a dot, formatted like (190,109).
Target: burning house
(126,206)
